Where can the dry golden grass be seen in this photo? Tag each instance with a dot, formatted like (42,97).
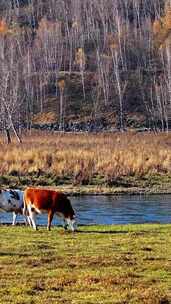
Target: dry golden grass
(83,157)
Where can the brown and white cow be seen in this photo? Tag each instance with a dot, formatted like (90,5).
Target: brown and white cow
(37,201)
(11,200)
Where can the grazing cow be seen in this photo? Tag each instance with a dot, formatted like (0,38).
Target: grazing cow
(48,201)
(11,200)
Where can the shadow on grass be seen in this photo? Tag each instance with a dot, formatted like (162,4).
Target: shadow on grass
(10,224)
(76,231)
(13,254)
(102,232)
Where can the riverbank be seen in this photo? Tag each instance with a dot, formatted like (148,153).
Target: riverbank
(103,190)
(156,184)
(97,264)
(102,163)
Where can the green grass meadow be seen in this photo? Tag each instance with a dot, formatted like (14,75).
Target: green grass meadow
(97,264)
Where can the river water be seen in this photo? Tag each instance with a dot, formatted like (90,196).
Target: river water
(122,209)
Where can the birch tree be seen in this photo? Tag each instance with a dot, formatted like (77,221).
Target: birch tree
(10,90)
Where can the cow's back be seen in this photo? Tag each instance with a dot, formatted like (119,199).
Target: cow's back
(20,195)
(45,199)
(11,200)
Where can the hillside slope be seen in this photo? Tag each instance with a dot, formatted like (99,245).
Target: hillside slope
(107,61)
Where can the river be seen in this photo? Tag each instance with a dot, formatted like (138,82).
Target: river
(122,209)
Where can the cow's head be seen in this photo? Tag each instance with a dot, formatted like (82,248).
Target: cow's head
(14,194)
(1,192)
(9,198)
(1,196)
(69,215)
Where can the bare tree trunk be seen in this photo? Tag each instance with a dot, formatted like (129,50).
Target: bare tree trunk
(8,137)
(16,133)
(61,115)
(12,125)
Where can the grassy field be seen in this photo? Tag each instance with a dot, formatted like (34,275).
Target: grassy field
(98,264)
(100,162)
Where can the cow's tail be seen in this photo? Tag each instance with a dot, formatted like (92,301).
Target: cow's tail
(25,211)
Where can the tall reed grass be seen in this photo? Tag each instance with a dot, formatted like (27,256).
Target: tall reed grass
(83,157)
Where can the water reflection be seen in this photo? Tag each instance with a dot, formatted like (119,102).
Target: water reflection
(123,209)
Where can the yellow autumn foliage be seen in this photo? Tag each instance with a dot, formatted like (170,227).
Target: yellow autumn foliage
(3,27)
(162,30)
(80,57)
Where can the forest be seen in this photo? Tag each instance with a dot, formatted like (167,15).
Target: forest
(64,61)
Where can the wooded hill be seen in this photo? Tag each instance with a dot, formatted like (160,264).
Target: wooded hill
(107,60)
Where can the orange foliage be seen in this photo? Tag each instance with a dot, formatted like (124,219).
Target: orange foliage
(80,57)
(162,29)
(3,27)
(167,20)
(61,84)
(112,41)
(75,24)
(157,25)
(45,117)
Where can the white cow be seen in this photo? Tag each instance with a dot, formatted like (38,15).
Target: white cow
(11,200)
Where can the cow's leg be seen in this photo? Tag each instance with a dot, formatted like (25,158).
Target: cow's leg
(27,220)
(50,218)
(14,218)
(65,224)
(33,219)
(32,216)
